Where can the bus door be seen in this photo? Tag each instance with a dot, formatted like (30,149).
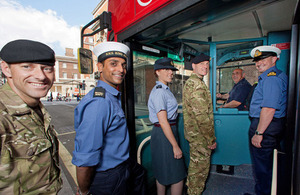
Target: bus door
(142,59)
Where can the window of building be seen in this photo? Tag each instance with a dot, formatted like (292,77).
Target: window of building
(75,66)
(75,76)
(64,75)
(64,65)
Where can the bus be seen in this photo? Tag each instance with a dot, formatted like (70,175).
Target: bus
(226,30)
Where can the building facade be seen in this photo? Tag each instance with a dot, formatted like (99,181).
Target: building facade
(69,83)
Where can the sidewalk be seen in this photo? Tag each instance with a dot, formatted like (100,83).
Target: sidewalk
(67,188)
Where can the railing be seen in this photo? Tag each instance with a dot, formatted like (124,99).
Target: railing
(139,151)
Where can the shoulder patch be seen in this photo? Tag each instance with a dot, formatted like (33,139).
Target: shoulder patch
(271,74)
(158,86)
(99,92)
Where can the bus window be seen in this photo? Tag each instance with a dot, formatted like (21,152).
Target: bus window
(144,80)
(231,57)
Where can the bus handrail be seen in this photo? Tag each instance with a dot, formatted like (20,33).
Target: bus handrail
(274,175)
(139,151)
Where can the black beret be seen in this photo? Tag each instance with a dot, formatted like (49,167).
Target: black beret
(200,58)
(164,63)
(20,51)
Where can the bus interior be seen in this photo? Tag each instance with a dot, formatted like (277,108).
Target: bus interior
(227,30)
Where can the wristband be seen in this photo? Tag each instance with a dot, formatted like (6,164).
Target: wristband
(258,133)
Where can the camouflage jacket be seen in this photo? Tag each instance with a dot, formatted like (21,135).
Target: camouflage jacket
(29,148)
(198,112)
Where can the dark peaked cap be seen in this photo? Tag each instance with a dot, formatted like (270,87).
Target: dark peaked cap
(200,58)
(22,50)
(164,63)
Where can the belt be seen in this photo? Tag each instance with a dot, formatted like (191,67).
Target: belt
(282,118)
(171,122)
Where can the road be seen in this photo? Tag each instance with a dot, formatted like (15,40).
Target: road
(63,120)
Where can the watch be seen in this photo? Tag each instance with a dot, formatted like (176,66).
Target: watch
(258,133)
(80,193)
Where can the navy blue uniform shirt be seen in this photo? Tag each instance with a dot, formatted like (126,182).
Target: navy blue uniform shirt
(271,92)
(240,92)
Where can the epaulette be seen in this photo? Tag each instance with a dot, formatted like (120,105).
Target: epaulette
(271,74)
(99,92)
(158,86)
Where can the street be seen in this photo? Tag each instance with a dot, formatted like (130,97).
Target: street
(63,120)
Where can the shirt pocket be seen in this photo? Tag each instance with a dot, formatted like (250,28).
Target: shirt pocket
(119,120)
(20,149)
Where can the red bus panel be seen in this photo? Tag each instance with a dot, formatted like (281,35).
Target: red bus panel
(127,12)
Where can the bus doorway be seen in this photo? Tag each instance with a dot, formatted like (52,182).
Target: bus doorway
(143,77)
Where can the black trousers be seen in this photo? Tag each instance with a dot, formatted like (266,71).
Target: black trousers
(126,179)
(262,158)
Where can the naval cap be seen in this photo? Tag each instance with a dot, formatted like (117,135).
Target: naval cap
(200,58)
(22,50)
(164,63)
(110,49)
(261,52)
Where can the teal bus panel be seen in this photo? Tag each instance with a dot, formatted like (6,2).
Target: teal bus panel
(231,129)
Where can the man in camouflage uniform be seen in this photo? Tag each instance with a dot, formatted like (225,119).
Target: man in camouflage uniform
(28,144)
(198,124)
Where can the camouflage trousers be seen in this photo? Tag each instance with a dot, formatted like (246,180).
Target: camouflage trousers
(198,169)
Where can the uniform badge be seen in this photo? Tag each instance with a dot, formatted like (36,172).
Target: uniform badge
(158,86)
(257,53)
(271,74)
(99,92)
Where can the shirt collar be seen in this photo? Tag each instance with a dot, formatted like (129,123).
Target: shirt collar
(14,104)
(241,81)
(163,85)
(196,76)
(108,88)
(264,74)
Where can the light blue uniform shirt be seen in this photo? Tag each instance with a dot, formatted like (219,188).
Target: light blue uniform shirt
(271,92)
(161,98)
(102,137)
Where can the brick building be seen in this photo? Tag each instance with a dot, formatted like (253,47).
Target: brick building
(68,81)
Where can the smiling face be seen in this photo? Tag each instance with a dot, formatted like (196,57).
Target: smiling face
(165,75)
(237,75)
(113,71)
(29,80)
(266,63)
(201,69)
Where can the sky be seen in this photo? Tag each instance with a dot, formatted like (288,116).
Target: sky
(53,22)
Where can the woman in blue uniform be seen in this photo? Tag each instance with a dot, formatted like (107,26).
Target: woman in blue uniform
(167,162)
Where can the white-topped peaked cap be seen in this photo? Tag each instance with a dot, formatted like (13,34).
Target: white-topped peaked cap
(111,49)
(265,51)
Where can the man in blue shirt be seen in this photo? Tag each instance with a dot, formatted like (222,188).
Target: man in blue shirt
(238,94)
(267,114)
(101,153)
